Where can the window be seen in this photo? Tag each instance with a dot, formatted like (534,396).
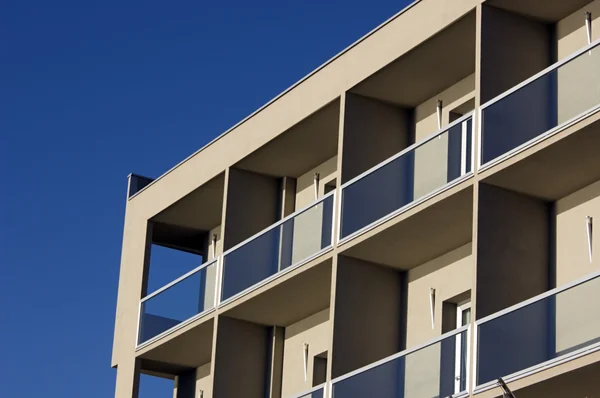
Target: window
(463,318)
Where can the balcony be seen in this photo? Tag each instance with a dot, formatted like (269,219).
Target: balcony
(549,102)
(436,369)
(549,329)
(178,303)
(285,245)
(407,178)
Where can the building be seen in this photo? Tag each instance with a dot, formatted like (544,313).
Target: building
(412,219)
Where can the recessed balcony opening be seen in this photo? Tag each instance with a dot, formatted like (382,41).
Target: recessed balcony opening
(419,234)
(280,203)
(537,281)
(180,273)
(409,327)
(183,382)
(151,385)
(544,80)
(186,354)
(292,322)
(277,360)
(409,128)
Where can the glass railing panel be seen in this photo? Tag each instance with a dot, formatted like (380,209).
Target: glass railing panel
(187,297)
(297,238)
(552,99)
(408,177)
(539,332)
(433,371)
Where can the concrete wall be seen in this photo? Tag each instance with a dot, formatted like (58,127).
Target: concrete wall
(369,302)
(314,331)
(433,159)
(571,34)
(526,113)
(578,83)
(513,249)
(373,131)
(305,193)
(572,253)
(512,266)
(574,323)
(252,203)
(241,351)
(503,66)
(308,229)
(204,381)
(451,275)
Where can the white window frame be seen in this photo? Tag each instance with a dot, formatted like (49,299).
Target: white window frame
(460,309)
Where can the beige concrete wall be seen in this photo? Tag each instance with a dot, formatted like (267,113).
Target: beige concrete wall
(308,226)
(369,302)
(211,271)
(574,322)
(305,193)
(503,66)
(252,201)
(578,83)
(571,33)
(513,249)
(373,131)
(383,45)
(431,160)
(241,351)
(314,331)
(450,275)
(204,381)
(572,254)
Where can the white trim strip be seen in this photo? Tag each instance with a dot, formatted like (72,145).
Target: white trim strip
(541,73)
(278,223)
(400,354)
(176,281)
(401,210)
(539,297)
(408,149)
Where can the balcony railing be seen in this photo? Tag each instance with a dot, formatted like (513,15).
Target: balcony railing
(407,178)
(557,325)
(316,392)
(541,105)
(177,303)
(435,369)
(288,243)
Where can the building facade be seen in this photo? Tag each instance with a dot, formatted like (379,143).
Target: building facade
(415,218)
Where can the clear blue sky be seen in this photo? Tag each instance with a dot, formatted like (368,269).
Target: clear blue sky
(91,91)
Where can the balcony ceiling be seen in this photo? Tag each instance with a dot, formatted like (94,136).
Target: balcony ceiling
(543,10)
(200,210)
(429,69)
(299,149)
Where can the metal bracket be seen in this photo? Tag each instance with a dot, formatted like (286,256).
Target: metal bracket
(506,392)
